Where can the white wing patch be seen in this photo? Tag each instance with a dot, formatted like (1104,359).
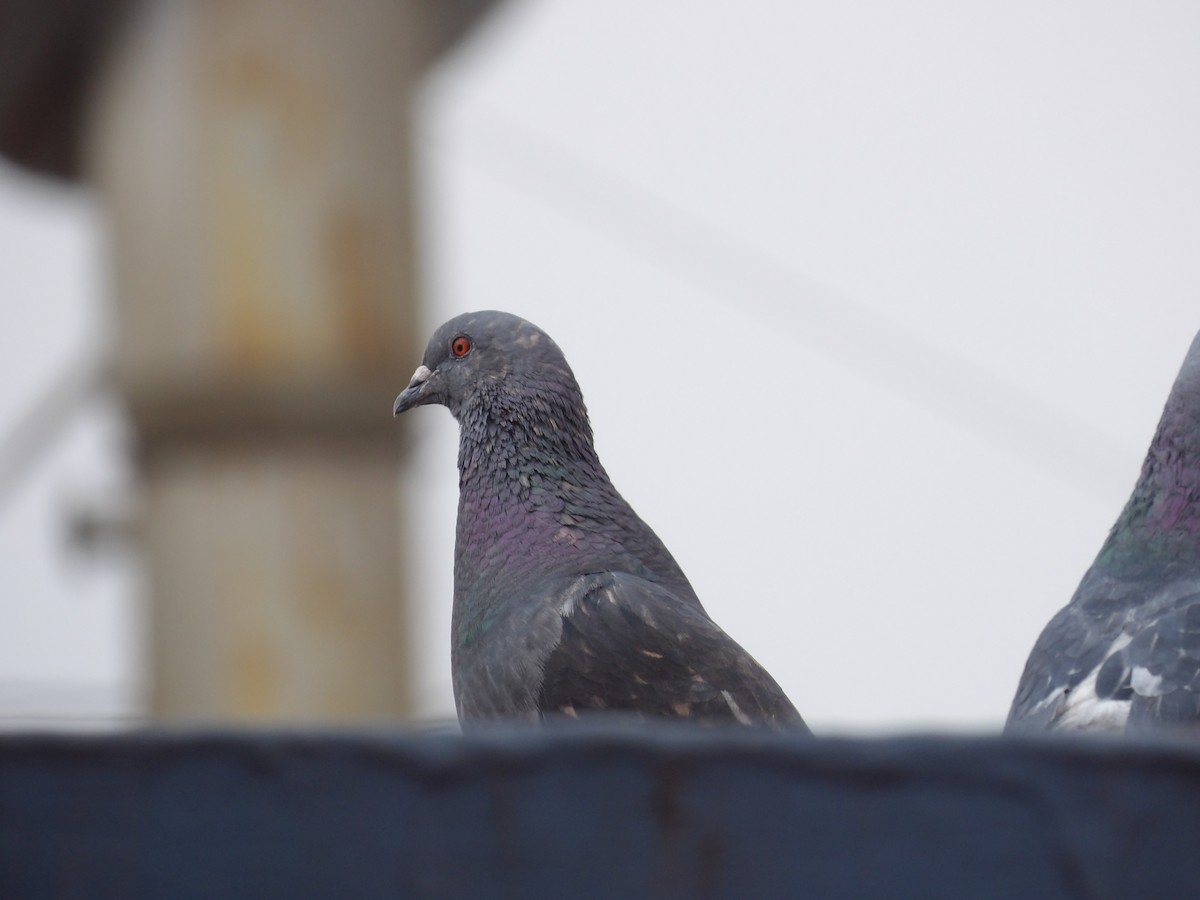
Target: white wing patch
(735,709)
(1082,709)
(1144,683)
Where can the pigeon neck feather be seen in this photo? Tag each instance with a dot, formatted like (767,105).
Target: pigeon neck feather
(1161,522)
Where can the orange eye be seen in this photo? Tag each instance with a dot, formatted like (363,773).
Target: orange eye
(460,346)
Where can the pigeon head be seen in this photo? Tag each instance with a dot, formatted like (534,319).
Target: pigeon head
(475,358)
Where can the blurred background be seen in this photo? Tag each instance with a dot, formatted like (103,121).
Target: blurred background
(874,308)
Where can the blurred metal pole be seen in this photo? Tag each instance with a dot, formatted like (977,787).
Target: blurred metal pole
(255,161)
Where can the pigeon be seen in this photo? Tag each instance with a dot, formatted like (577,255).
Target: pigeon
(566,603)
(1124,655)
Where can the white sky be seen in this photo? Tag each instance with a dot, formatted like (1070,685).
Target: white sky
(874,308)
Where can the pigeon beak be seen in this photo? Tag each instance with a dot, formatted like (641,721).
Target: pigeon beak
(414,394)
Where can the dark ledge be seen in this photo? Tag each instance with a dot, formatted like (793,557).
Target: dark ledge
(613,813)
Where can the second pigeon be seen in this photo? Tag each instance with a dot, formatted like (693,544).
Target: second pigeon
(1124,654)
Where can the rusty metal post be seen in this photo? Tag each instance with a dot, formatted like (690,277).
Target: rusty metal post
(254,159)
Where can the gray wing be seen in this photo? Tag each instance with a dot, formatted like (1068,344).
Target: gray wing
(1114,665)
(1068,653)
(1161,669)
(632,646)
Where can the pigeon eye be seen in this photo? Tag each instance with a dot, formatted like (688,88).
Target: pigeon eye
(460,346)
